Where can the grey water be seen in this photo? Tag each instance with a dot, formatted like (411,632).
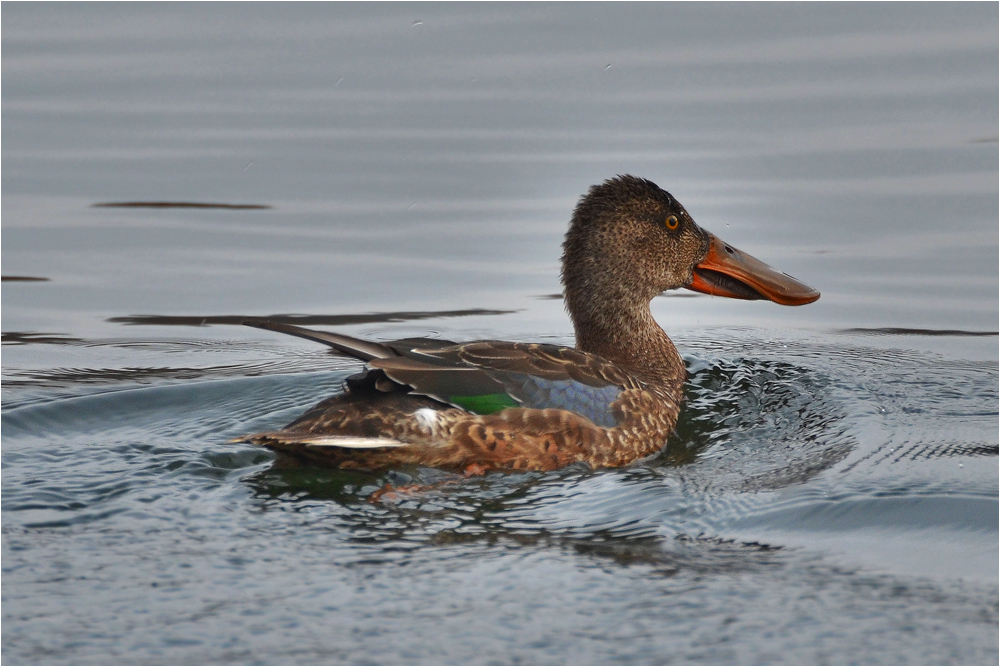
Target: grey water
(387,170)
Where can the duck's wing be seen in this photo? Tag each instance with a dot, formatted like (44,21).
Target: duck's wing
(487,376)
(540,360)
(402,362)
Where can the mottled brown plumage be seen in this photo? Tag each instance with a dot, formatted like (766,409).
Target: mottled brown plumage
(517,406)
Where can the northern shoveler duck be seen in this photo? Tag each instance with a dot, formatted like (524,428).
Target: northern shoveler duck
(497,405)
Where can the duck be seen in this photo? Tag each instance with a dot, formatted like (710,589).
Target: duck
(489,405)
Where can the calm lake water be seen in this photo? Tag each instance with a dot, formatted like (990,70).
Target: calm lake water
(831,494)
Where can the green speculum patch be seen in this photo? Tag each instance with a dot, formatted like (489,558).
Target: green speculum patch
(484,404)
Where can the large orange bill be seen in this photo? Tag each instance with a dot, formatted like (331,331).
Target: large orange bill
(726,271)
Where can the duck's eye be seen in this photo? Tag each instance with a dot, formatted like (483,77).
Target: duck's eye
(672,222)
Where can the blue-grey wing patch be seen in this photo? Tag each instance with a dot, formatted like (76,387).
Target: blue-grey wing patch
(594,403)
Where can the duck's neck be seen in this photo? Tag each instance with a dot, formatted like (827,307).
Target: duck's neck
(627,335)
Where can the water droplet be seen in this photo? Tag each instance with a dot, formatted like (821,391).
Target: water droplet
(961,465)
(607,67)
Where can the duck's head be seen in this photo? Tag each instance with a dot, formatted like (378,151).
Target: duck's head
(629,240)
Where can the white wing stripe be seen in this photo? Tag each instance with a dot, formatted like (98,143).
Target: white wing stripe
(350,442)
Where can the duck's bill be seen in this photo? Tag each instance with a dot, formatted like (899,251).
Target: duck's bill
(726,271)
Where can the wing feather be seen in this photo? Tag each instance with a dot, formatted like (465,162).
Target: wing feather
(484,376)
(437,381)
(353,347)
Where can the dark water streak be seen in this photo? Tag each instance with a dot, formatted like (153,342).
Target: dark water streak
(301,320)
(176,204)
(902,331)
(24,279)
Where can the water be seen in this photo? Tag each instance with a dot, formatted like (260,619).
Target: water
(830,495)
